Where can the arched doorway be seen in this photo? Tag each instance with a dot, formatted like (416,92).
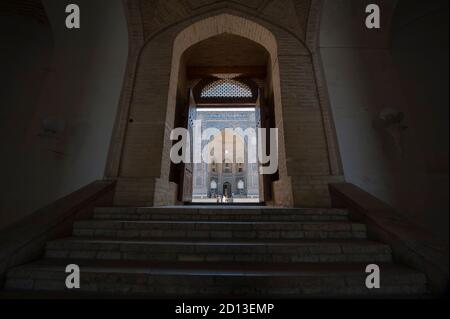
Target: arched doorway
(226,105)
(233,70)
(141,145)
(227,190)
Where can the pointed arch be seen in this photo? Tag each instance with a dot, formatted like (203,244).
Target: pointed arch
(208,28)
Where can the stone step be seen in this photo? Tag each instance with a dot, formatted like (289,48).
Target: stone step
(220,213)
(216,279)
(218,229)
(207,251)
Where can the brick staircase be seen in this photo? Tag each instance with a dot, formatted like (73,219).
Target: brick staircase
(218,251)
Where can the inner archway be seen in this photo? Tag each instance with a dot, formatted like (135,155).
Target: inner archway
(226,84)
(227,189)
(240,54)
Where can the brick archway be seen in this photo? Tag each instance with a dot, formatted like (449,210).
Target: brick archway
(203,30)
(139,157)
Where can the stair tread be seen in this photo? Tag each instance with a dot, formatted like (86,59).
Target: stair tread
(202,241)
(211,269)
(207,209)
(214,222)
(219,229)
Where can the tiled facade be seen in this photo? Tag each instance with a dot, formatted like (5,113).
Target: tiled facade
(233,177)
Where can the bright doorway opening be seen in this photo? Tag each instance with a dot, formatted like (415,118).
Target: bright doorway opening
(227,175)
